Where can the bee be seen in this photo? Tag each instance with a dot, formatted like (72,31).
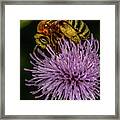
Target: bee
(76,30)
(48,32)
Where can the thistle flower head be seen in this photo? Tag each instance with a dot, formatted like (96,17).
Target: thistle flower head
(74,74)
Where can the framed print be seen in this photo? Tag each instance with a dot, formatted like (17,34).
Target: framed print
(60,59)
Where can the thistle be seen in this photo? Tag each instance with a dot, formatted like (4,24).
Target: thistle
(73,74)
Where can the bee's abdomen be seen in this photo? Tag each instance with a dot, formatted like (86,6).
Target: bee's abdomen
(81,28)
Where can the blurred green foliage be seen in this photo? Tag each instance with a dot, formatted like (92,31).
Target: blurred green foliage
(24,23)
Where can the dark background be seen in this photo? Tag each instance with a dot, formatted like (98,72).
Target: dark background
(27,43)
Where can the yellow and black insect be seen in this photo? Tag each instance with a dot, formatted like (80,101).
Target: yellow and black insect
(48,32)
(76,30)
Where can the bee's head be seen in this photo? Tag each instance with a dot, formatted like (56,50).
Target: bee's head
(41,40)
(43,27)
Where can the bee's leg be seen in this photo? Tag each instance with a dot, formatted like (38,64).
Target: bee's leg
(51,40)
(82,37)
(55,41)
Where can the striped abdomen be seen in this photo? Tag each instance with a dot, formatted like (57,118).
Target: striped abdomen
(81,28)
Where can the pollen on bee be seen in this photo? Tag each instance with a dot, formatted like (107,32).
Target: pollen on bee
(46,25)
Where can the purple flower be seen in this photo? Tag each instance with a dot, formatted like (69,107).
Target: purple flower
(74,74)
